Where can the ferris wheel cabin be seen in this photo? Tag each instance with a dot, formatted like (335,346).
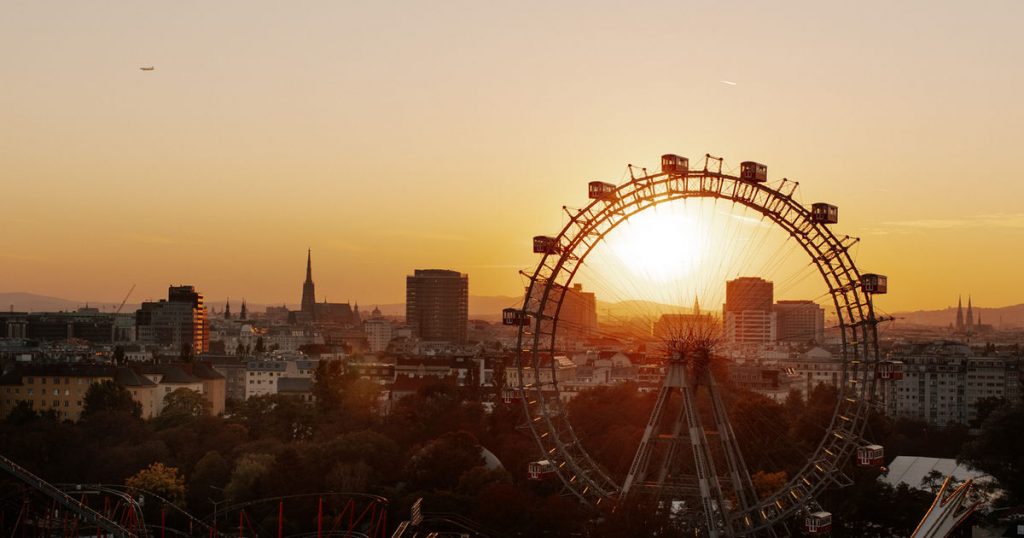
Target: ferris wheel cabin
(751,171)
(674,165)
(872,283)
(514,316)
(870,456)
(599,190)
(543,244)
(824,213)
(540,470)
(818,523)
(889,370)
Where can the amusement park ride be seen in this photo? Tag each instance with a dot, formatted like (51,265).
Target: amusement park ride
(676,461)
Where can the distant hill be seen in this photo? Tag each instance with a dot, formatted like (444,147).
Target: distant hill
(1007,316)
(480,307)
(31,302)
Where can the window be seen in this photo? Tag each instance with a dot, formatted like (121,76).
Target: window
(30,392)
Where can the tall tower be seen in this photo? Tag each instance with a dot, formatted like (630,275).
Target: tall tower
(959,314)
(227,309)
(308,291)
(970,315)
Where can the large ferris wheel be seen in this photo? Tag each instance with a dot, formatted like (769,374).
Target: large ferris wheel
(675,458)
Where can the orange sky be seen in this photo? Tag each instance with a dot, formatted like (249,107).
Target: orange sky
(393,136)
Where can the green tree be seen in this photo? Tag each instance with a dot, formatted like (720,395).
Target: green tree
(328,384)
(441,463)
(108,396)
(21,414)
(259,344)
(999,449)
(247,477)
(165,481)
(187,402)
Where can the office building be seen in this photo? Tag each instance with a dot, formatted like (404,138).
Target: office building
(437,304)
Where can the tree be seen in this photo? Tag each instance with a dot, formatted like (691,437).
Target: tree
(119,358)
(328,383)
(186,354)
(164,481)
(246,478)
(441,463)
(999,449)
(21,414)
(259,344)
(185,403)
(108,396)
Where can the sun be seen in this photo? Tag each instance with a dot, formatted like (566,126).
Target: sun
(659,246)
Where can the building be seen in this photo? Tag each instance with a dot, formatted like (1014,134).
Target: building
(578,314)
(748,314)
(88,324)
(379,333)
(262,376)
(177,322)
(944,381)
(437,304)
(322,312)
(61,388)
(799,322)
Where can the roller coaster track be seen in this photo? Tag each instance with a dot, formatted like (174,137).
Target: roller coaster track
(87,515)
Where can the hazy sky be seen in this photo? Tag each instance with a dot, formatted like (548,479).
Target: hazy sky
(389,136)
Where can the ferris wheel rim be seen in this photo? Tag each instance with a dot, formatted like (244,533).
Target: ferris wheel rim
(853,316)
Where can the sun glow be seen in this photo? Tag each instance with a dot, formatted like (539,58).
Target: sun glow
(659,246)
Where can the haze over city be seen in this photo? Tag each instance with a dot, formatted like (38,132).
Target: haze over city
(498,270)
(389,137)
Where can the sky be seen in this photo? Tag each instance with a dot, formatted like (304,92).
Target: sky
(390,136)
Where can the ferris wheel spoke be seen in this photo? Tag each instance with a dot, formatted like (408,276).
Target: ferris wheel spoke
(681,461)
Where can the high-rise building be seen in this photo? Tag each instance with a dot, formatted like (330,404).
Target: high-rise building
(437,304)
(799,321)
(176,322)
(308,290)
(577,316)
(748,314)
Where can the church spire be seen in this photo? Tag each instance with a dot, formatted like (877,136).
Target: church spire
(227,309)
(696,306)
(244,314)
(308,290)
(959,314)
(970,314)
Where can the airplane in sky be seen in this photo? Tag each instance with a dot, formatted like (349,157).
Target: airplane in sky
(149,68)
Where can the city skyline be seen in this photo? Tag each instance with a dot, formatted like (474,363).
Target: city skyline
(334,139)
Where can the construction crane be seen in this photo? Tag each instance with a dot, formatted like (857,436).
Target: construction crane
(113,322)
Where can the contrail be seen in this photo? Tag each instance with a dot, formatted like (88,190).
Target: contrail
(727,82)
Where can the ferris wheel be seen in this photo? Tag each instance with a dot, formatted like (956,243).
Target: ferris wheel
(675,457)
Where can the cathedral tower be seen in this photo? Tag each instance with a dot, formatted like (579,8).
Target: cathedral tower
(308,292)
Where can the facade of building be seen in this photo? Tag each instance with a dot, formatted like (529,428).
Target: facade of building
(88,324)
(437,304)
(799,321)
(61,388)
(748,315)
(262,375)
(179,321)
(379,333)
(944,381)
